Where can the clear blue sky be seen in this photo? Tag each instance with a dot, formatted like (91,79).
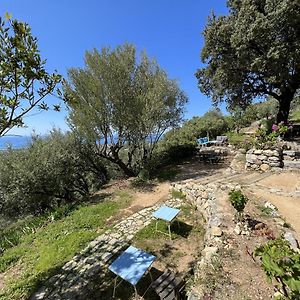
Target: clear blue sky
(169,30)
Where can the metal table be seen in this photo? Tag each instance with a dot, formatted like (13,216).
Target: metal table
(131,265)
(167,214)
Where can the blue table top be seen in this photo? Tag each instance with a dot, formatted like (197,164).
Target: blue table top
(132,264)
(166,213)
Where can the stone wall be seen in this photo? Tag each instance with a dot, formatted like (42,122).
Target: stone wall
(264,160)
(204,198)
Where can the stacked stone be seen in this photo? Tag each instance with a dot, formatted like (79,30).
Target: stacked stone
(264,160)
(291,159)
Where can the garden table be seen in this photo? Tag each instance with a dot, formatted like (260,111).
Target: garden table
(167,214)
(131,265)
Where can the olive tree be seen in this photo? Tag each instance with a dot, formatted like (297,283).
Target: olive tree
(52,171)
(122,104)
(24,82)
(253,52)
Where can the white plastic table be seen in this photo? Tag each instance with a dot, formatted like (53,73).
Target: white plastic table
(167,214)
(131,265)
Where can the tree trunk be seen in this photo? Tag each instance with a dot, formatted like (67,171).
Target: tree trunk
(127,171)
(284,107)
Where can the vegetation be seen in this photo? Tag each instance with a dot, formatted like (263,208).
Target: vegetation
(238,200)
(282,264)
(51,172)
(251,53)
(121,106)
(44,251)
(266,139)
(24,80)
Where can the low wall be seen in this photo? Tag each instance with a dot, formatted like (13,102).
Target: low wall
(264,160)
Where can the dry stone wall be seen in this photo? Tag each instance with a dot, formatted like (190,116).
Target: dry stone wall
(264,160)
(204,198)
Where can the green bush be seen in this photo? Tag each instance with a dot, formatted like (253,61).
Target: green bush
(49,173)
(282,264)
(238,200)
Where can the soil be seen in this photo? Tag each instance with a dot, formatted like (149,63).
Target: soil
(288,206)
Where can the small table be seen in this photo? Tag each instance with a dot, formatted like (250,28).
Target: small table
(167,214)
(131,265)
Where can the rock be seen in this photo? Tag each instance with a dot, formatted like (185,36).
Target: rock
(280,222)
(265,167)
(209,252)
(216,231)
(268,152)
(258,152)
(291,239)
(273,158)
(237,229)
(262,157)
(270,205)
(259,226)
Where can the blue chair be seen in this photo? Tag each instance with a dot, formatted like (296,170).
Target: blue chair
(203,141)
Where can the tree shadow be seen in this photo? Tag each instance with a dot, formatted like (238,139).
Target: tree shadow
(98,198)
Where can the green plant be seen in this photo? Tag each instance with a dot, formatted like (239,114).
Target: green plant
(177,194)
(267,136)
(282,264)
(238,200)
(24,81)
(53,171)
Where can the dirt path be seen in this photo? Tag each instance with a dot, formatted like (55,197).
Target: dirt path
(277,189)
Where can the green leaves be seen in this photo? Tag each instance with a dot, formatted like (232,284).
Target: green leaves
(253,52)
(123,105)
(281,263)
(238,200)
(23,80)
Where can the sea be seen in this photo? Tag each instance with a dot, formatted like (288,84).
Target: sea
(14,142)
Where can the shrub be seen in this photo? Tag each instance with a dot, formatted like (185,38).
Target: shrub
(282,264)
(51,172)
(238,200)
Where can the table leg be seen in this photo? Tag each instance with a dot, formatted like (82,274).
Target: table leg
(135,292)
(170,231)
(156,225)
(115,283)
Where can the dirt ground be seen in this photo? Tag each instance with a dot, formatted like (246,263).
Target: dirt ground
(288,206)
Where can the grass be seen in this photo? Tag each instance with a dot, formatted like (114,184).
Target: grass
(42,253)
(187,233)
(177,194)
(266,211)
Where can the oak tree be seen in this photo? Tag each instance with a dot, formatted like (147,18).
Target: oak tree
(253,52)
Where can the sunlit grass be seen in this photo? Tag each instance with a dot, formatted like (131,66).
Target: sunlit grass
(41,254)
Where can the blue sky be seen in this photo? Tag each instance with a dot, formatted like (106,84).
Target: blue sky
(169,30)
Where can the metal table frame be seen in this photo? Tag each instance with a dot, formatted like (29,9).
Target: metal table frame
(167,214)
(131,260)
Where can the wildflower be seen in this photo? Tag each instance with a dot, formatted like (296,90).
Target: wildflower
(274,127)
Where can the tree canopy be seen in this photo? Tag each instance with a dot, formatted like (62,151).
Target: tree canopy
(24,82)
(122,105)
(253,52)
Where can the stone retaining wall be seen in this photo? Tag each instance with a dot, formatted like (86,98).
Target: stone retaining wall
(264,160)
(203,196)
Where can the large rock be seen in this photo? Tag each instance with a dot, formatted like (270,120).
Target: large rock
(265,167)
